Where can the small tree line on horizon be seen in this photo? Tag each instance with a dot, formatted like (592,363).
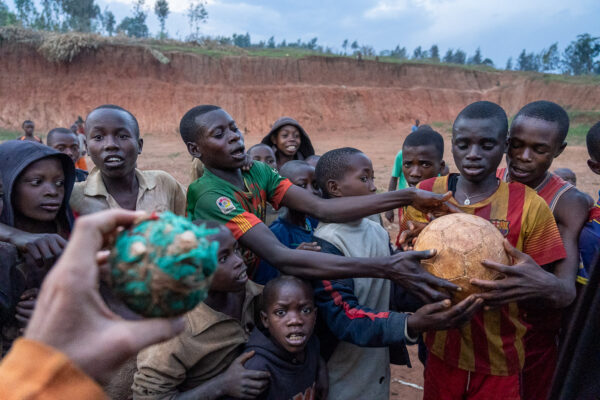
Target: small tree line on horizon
(580,57)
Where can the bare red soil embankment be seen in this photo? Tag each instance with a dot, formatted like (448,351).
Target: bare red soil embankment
(325,93)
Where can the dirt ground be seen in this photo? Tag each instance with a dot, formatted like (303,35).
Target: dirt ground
(169,154)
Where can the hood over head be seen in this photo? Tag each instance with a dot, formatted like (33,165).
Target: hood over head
(15,156)
(306,147)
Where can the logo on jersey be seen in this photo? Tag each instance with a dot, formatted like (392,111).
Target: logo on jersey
(502,225)
(225,205)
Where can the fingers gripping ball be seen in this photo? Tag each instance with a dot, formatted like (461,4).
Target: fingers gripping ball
(462,241)
(161,267)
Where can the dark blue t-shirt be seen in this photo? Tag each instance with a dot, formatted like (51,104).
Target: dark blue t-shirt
(291,236)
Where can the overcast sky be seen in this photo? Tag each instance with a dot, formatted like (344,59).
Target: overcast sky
(502,28)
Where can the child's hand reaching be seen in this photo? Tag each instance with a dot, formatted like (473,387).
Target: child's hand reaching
(41,249)
(408,237)
(441,315)
(242,383)
(248,163)
(313,246)
(25,307)
(433,203)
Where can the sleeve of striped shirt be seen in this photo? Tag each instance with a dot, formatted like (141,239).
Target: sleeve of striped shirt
(542,239)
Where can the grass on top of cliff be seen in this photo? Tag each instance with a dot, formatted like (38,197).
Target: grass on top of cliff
(64,47)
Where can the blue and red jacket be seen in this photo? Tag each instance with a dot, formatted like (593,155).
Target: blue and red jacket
(342,318)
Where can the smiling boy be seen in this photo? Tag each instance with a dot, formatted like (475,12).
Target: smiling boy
(114,144)
(238,199)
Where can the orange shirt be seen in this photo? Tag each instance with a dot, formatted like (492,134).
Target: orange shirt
(492,342)
(32,370)
(81,164)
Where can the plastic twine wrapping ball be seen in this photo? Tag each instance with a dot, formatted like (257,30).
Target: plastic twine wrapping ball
(161,267)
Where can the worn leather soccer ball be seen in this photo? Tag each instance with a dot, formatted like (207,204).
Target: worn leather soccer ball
(462,241)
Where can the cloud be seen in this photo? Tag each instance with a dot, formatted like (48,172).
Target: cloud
(174,5)
(387,9)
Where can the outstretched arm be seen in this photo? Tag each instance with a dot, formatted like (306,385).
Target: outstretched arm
(403,268)
(344,209)
(354,323)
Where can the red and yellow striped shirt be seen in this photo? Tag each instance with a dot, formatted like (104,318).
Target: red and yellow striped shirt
(492,342)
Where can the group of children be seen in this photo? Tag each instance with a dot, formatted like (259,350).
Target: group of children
(339,302)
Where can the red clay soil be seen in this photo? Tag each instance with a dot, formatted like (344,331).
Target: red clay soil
(341,102)
(327,94)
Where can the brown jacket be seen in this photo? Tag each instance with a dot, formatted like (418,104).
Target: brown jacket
(210,342)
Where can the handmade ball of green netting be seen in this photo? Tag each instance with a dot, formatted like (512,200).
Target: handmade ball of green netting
(161,267)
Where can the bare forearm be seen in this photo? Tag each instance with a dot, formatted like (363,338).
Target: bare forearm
(564,290)
(316,265)
(345,209)
(7,233)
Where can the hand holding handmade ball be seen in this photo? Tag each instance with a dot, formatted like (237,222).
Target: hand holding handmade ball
(161,267)
(462,241)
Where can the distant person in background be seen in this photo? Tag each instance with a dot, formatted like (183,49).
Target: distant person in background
(79,128)
(67,142)
(263,153)
(28,127)
(313,160)
(289,141)
(415,126)
(569,176)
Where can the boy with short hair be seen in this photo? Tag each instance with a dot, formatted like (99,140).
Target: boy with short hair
(66,142)
(537,136)
(114,144)
(313,160)
(485,357)
(423,158)
(356,312)
(589,238)
(294,229)
(238,199)
(263,153)
(28,127)
(288,350)
(205,360)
